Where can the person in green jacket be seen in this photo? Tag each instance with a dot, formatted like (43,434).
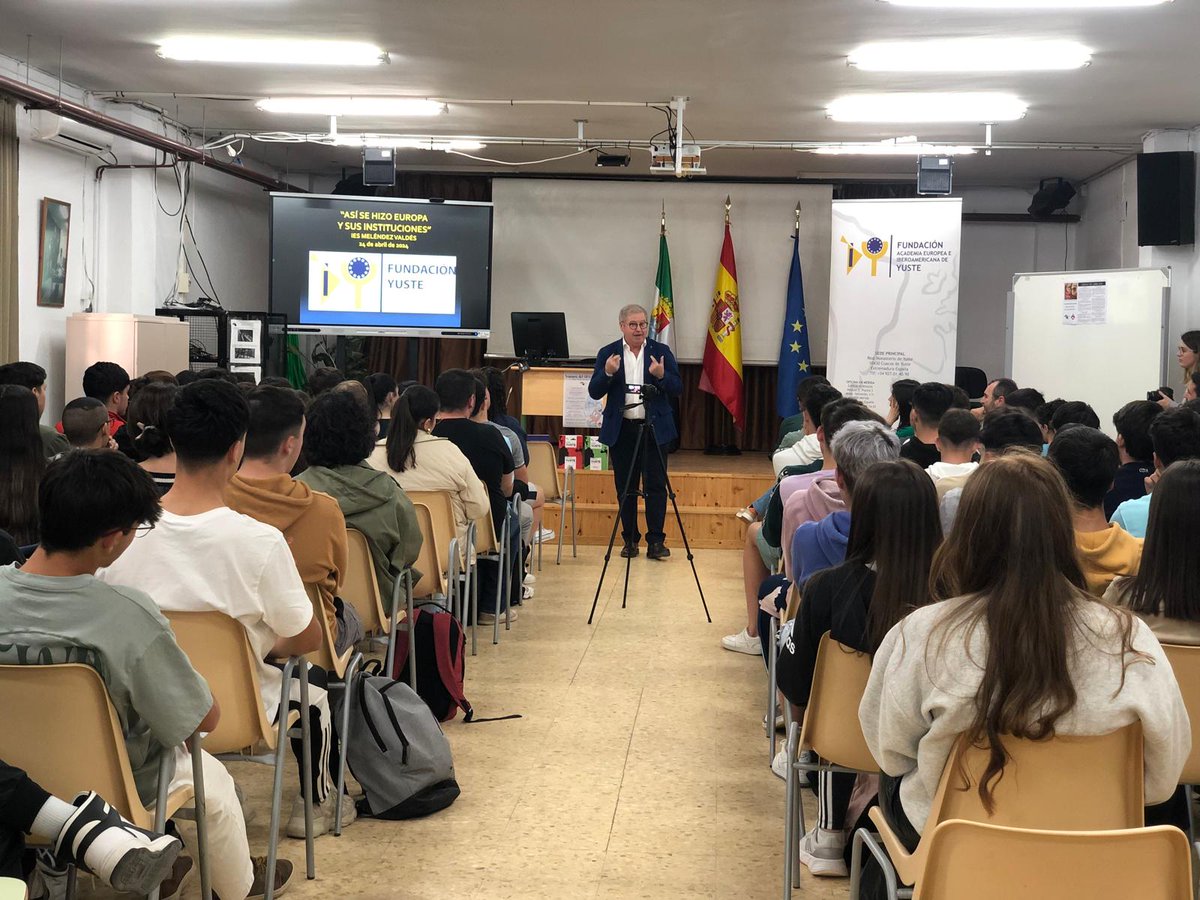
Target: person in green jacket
(339,437)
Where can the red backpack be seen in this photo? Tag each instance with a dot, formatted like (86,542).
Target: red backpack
(441,662)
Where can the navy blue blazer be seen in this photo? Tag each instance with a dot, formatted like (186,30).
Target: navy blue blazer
(658,409)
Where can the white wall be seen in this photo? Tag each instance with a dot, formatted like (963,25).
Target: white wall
(122,247)
(1108,233)
(991,254)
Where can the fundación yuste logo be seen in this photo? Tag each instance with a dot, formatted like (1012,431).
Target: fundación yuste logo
(873,248)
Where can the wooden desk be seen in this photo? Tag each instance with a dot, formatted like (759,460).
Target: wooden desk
(542,390)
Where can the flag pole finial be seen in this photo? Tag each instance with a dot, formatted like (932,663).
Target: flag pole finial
(664,218)
(797,217)
(728,204)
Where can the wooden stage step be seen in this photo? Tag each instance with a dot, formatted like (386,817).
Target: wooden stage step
(708,489)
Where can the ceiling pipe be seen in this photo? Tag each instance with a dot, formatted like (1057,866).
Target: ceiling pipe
(38,99)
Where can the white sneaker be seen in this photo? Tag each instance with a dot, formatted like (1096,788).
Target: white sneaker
(779,722)
(530,578)
(486,618)
(742,643)
(822,851)
(99,841)
(323,815)
(544,535)
(780,763)
(527,592)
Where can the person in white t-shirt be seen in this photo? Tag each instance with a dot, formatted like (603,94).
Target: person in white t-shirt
(204,556)
(957,442)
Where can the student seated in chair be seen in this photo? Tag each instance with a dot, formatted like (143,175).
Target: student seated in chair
(1087,460)
(85,425)
(1021,650)
(204,556)
(92,503)
(340,435)
(311,521)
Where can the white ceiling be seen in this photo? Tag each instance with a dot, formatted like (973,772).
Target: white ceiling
(754,70)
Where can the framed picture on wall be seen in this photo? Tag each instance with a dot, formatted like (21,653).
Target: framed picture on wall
(52,252)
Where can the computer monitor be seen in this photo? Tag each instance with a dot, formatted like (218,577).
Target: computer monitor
(540,335)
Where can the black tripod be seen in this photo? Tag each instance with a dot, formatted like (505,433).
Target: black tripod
(644,427)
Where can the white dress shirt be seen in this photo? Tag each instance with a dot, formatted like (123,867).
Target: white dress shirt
(634,376)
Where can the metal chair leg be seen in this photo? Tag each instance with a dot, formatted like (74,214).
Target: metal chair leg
(574,529)
(160,824)
(306,770)
(772,690)
(789,820)
(277,784)
(201,816)
(347,686)
(562,527)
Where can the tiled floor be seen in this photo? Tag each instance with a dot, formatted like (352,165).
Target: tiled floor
(638,768)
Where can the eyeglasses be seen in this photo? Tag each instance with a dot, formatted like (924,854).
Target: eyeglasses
(637,326)
(144,529)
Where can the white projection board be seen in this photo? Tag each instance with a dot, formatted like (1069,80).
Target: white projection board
(1095,336)
(587,248)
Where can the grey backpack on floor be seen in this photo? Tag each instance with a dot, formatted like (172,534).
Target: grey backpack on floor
(397,751)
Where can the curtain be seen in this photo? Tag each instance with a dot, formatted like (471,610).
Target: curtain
(9,305)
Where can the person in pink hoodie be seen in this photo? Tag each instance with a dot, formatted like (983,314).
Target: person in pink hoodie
(764,540)
(810,498)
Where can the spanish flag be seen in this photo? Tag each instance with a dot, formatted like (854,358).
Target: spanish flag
(722,373)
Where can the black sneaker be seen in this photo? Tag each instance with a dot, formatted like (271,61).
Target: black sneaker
(99,841)
(630,550)
(283,877)
(657,551)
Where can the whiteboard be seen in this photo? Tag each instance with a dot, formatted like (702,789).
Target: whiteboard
(587,248)
(1110,356)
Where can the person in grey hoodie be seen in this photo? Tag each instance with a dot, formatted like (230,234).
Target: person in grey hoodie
(339,438)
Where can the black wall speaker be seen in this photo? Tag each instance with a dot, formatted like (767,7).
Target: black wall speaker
(935,175)
(1166,185)
(379,166)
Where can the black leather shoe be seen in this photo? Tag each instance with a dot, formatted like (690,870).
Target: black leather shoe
(657,551)
(630,550)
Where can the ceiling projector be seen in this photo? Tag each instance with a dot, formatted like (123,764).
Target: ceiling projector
(662,160)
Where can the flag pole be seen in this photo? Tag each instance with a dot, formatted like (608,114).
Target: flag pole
(797,219)
(727,205)
(663,228)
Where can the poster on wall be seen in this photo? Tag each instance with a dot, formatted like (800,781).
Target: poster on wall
(893,294)
(52,252)
(579,409)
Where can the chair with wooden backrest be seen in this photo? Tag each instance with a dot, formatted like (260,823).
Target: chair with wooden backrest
(543,471)
(13,889)
(62,708)
(1185,662)
(1066,783)
(832,731)
(495,546)
(991,862)
(443,534)
(219,650)
(360,588)
(343,668)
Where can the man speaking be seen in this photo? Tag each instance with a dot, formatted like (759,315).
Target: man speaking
(637,375)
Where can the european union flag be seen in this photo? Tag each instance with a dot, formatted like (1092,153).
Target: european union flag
(795,363)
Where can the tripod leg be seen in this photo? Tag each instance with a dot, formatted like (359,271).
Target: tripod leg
(679,519)
(613,536)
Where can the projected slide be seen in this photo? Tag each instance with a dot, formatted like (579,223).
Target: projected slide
(381,282)
(375,263)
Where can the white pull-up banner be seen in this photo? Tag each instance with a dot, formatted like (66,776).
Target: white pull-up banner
(893,294)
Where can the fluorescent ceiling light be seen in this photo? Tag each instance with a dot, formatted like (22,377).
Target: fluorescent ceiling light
(344,139)
(970,55)
(271,51)
(909,146)
(966,106)
(1027,4)
(353,106)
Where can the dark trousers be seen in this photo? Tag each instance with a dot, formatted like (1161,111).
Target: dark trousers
(21,799)
(873,887)
(652,473)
